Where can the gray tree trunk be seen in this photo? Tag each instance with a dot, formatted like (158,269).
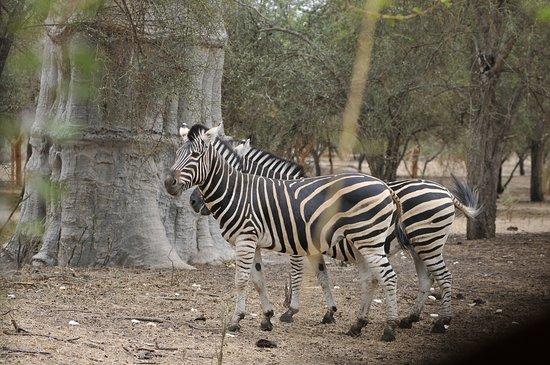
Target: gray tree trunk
(102,143)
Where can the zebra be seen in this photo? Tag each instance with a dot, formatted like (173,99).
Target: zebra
(299,217)
(429,209)
(263,163)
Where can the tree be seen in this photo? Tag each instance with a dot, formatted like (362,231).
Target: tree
(117,79)
(495,97)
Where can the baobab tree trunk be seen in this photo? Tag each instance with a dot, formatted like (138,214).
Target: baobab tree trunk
(102,142)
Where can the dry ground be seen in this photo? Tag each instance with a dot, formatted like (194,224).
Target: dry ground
(509,273)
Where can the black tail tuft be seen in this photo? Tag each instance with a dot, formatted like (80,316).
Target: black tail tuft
(466,196)
(401,235)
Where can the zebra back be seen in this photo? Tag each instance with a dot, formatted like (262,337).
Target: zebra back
(259,162)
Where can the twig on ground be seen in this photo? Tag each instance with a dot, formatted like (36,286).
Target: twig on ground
(23,283)
(172,298)
(146,319)
(202,328)
(27,333)
(23,351)
(17,328)
(165,348)
(201,292)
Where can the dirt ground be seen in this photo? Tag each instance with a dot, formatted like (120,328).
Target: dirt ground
(181,313)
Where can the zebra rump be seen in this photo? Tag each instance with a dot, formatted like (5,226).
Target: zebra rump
(468,197)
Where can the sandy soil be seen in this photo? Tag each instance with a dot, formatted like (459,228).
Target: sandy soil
(509,274)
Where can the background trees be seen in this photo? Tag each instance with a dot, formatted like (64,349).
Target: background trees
(452,78)
(454,81)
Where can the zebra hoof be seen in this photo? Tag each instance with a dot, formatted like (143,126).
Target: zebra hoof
(235,327)
(328,317)
(354,331)
(406,323)
(388,335)
(286,317)
(266,325)
(439,326)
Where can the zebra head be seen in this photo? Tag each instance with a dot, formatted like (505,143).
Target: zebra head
(192,159)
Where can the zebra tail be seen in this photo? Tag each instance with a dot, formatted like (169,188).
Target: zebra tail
(465,198)
(400,232)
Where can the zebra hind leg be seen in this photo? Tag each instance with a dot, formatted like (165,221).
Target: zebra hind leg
(296,276)
(424,282)
(382,270)
(259,284)
(369,284)
(320,268)
(443,278)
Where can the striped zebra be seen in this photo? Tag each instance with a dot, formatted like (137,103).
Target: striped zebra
(428,212)
(263,163)
(299,217)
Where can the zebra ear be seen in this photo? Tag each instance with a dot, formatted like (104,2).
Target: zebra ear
(184,130)
(247,143)
(210,135)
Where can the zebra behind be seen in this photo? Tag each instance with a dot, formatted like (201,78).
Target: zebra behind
(430,211)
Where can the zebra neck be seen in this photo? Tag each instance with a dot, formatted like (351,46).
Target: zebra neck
(222,184)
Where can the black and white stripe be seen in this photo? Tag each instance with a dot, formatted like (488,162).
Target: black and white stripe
(299,217)
(429,211)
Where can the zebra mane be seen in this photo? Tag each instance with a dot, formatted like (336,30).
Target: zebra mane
(196,131)
(228,153)
(222,146)
(256,154)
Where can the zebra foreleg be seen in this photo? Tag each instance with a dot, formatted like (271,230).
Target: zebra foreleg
(424,282)
(320,268)
(244,257)
(259,285)
(296,276)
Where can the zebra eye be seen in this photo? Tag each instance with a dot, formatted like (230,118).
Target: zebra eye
(194,154)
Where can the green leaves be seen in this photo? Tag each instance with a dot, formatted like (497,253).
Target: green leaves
(543,14)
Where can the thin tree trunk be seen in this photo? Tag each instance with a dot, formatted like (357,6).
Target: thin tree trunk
(500,187)
(360,161)
(415,154)
(491,117)
(521,158)
(537,168)
(331,164)
(316,161)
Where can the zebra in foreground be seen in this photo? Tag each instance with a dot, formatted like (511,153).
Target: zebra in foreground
(300,217)
(263,163)
(428,212)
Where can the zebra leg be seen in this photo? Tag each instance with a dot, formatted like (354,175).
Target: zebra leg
(296,276)
(377,263)
(369,284)
(424,282)
(259,284)
(438,269)
(318,264)
(244,257)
